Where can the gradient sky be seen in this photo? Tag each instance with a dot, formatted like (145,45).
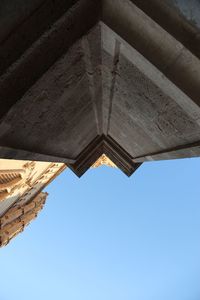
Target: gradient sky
(109,237)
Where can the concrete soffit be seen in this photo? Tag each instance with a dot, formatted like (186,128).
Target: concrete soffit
(161,54)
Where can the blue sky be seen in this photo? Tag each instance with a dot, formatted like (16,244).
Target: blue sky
(109,237)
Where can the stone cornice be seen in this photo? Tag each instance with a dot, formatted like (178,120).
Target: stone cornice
(99,146)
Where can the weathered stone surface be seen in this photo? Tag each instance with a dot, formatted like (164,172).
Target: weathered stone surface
(20,193)
(18,217)
(103,70)
(20,181)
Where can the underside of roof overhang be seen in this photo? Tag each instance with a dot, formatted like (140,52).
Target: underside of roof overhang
(101,77)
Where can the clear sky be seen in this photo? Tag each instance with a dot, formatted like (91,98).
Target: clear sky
(109,237)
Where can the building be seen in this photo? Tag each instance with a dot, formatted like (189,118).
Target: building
(84,78)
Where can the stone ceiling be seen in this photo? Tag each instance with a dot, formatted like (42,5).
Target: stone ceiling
(84,78)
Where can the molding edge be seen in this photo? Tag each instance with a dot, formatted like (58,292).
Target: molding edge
(104,145)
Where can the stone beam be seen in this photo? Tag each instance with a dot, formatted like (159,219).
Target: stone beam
(19,154)
(182,151)
(174,60)
(173,22)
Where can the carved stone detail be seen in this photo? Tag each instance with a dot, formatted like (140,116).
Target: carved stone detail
(23,185)
(9,179)
(45,177)
(18,217)
(13,179)
(3,194)
(103,160)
